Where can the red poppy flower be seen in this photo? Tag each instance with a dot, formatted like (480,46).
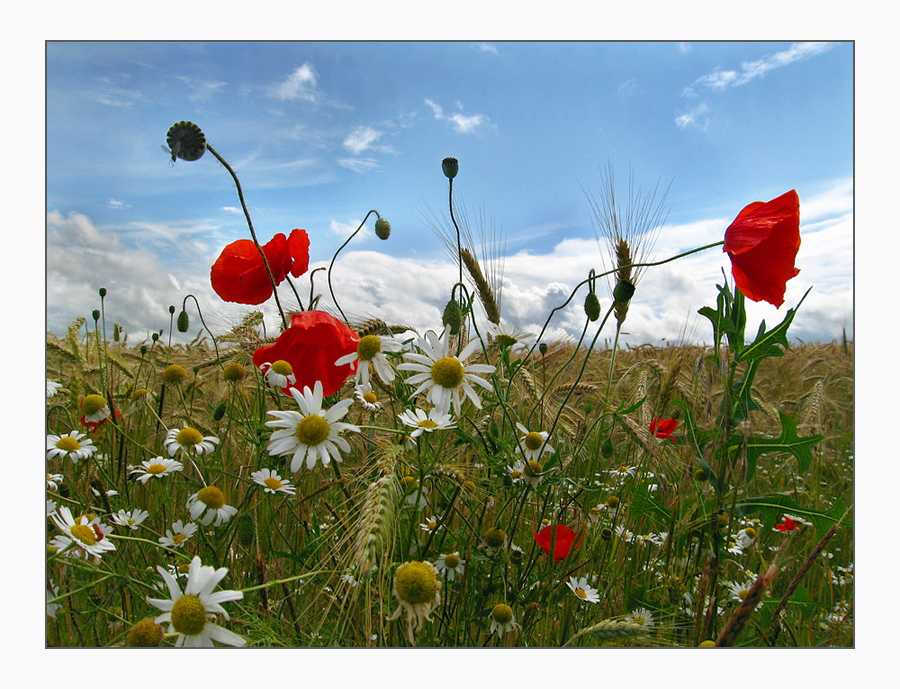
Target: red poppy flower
(788,525)
(762,244)
(239,274)
(311,345)
(564,540)
(94,425)
(662,428)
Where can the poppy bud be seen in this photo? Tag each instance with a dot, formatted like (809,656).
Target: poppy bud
(592,306)
(171,309)
(183,322)
(143,349)
(219,412)
(607,448)
(96,314)
(102,292)
(452,316)
(186,141)
(382,228)
(246,530)
(543,348)
(623,292)
(154,337)
(450,167)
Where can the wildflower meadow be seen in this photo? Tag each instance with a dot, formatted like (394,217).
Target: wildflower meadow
(349,484)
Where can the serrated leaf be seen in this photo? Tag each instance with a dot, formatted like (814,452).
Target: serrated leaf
(771,343)
(788,441)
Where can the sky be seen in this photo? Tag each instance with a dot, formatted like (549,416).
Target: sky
(320,133)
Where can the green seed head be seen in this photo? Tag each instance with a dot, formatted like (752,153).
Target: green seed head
(92,404)
(186,141)
(450,166)
(234,373)
(495,538)
(416,583)
(502,613)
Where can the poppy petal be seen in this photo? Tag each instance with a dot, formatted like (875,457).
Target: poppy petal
(298,248)
(239,275)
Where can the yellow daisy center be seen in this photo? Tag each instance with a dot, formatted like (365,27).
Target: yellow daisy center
(502,613)
(416,583)
(174,374)
(516,474)
(580,592)
(533,469)
(234,372)
(179,538)
(211,496)
(368,347)
(156,469)
(370,397)
(495,538)
(426,423)
(312,430)
(84,534)
(273,483)
(68,443)
(432,525)
(188,436)
(138,394)
(505,340)
(447,372)
(282,367)
(533,441)
(743,593)
(188,615)
(451,560)
(92,404)
(612,501)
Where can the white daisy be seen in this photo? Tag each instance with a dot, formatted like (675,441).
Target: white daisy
(530,472)
(434,420)
(74,445)
(451,564)
(622,471)
(53,481)
(52,387)
(88,536)
(443,376)
(178,534)
(208,506)
(418,592)
(367,397)
(272,482)
(278,374)
(641,616)
(189,440)
(430,524)
(370,352)
(516,472)
(509,337)
(132,519)
(51,507)
(533,444)
(502,620)
(312,433)
(158,467)
(581,588)
(191,614)
(95,409)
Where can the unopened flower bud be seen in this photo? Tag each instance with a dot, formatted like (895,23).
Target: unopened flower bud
(607,448)
(96,314)
(382,228)
(246,530)
(592,306)
(452,317)
(183,322)
(102,292)
(171,309)
(450,167)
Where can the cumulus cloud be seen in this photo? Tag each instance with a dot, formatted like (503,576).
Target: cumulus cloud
(465,124)
(361,139)
(488,48)
(695,117)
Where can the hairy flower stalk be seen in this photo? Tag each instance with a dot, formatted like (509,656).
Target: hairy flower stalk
(341,247)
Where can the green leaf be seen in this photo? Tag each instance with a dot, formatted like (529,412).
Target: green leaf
(788,441)
(771,343)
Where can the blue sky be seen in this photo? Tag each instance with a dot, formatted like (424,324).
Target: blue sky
(320,133)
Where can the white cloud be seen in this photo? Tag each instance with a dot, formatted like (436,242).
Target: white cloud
(360,139)
(115,203)
(720,79)
(629,88)
(695,117)
(300,84)
(345,229)
(359,165)
(488,48)
(464,124)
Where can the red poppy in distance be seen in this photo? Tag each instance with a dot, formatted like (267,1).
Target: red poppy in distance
(762,244)
(564,540)
(662,428)
(239,274)
(788,525)
(311,345)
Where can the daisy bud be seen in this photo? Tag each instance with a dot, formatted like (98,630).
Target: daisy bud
(146,634)
(452,316)
(450,167)
(234,373)
(186,141)
(183,322)
(623,292)
(246,530)
(174,374)
(382,228)
(592,306)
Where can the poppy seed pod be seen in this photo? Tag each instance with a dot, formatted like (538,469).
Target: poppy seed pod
(450,167)
(96,314)
(592,306)
(623,292)
(543,348)
(171,310)
(382,228)
(186,141)
(102,292)
(183,322)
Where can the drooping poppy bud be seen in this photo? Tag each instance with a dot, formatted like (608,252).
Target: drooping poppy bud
(382,228)
(592,306)
(183,322)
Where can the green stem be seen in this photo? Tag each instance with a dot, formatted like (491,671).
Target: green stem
(334,258)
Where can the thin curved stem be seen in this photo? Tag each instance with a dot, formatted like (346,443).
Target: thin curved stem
(333,258)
